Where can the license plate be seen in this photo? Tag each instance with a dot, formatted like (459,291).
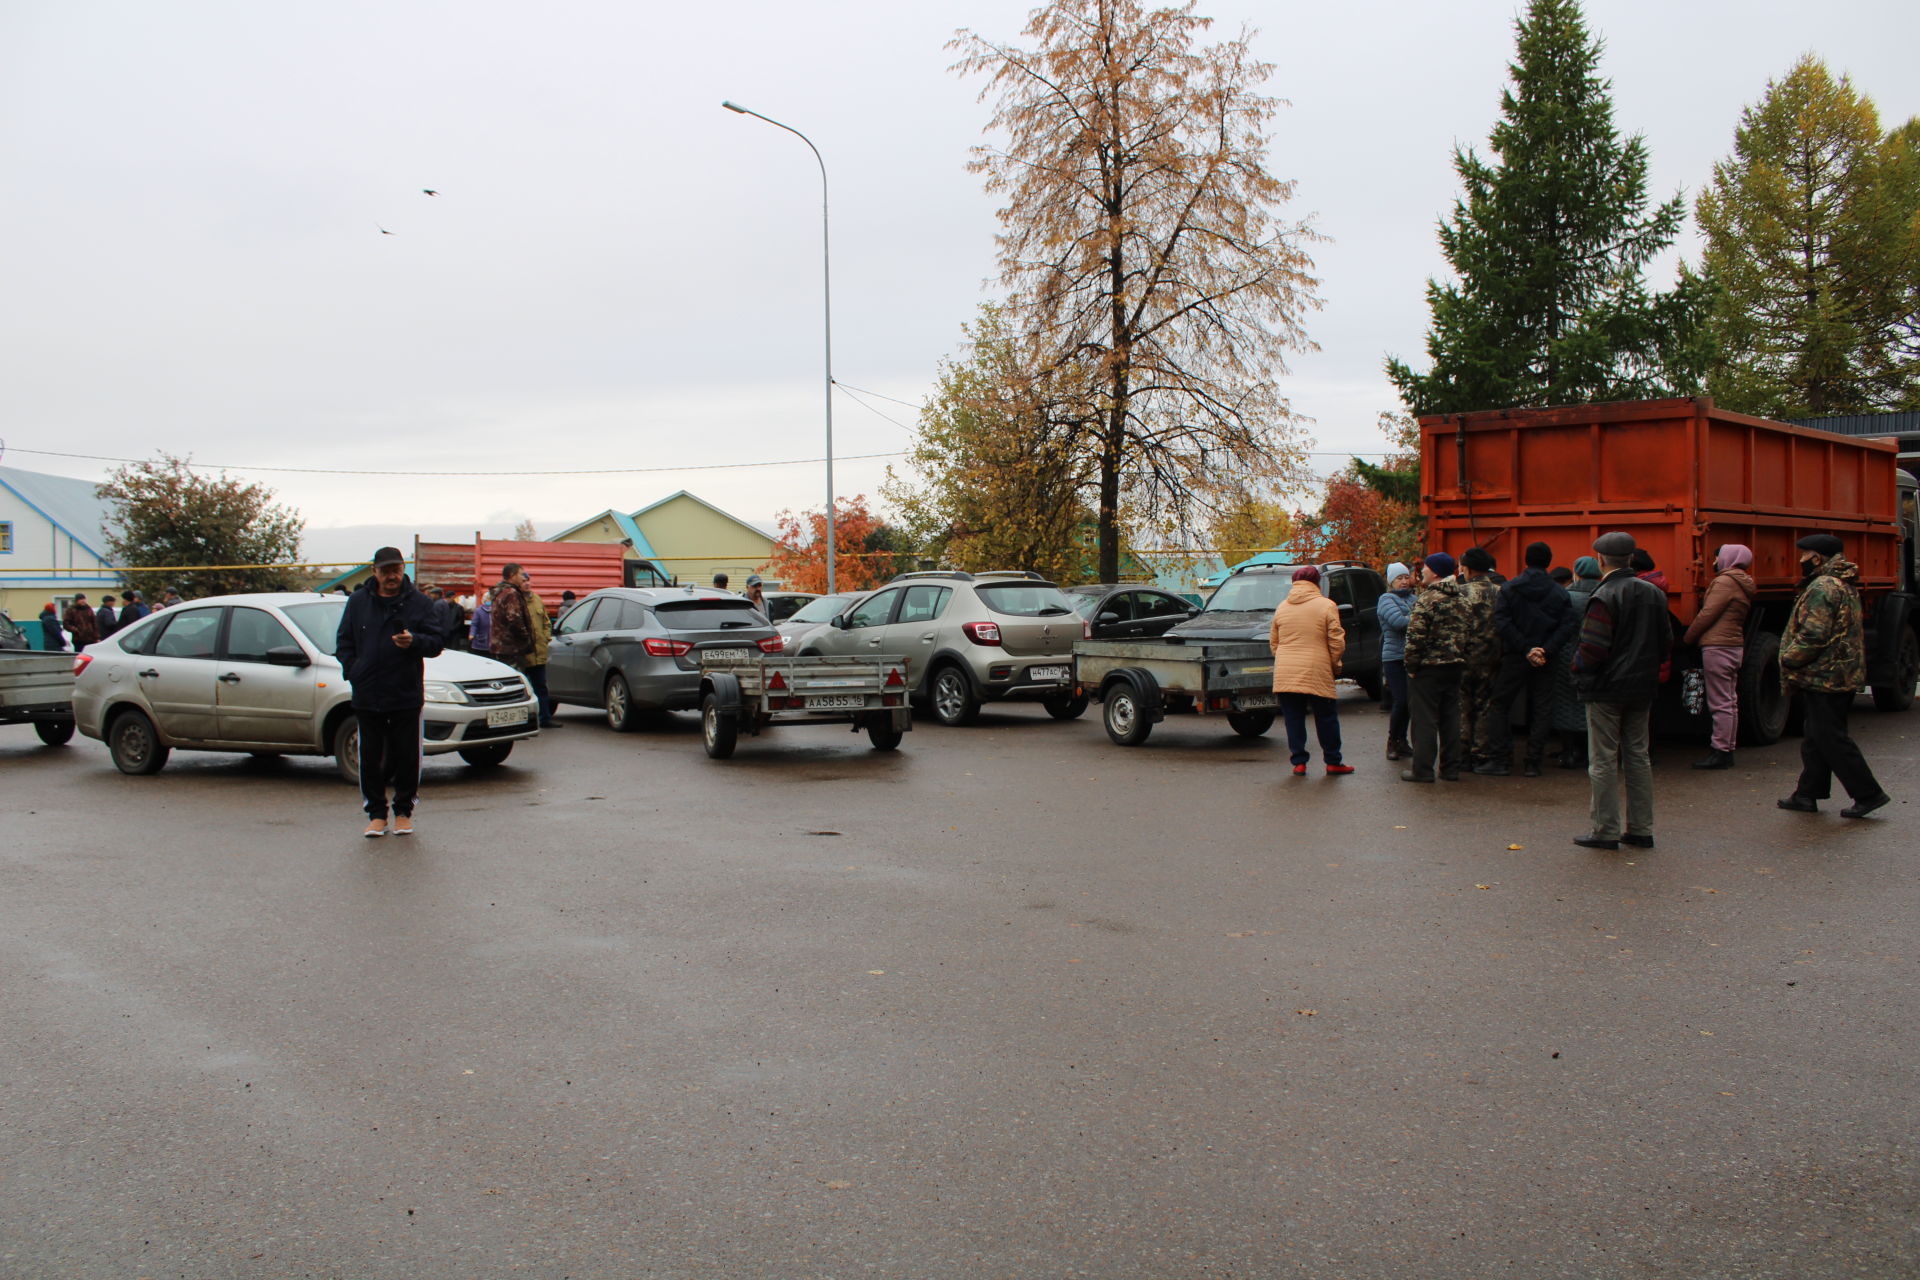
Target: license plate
(725,655)
(1049,673)
(1257,701)
(836,701)
(506,716)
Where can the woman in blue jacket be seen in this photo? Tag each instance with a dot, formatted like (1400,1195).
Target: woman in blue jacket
(1394,608)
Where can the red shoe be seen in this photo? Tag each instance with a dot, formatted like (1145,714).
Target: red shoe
(1299,771)
(1339,768)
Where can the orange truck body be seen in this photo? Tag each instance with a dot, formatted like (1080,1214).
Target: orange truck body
(464,568)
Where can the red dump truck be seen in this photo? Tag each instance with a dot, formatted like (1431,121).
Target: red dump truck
(465,568)
(1684,477)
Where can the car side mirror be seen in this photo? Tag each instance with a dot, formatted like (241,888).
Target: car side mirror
(1105,618)
(1193,613)
(839,622)
(288,655)
(1346,610)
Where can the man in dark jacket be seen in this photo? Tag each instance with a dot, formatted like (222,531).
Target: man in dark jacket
(105,619)
(1477,580)
(1823,657)
(1624,638)
(52,638)
(132,610)
(1534,616)
(78,620)
(387,632)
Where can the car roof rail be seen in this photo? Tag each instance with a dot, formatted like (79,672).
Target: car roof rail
(959,575)
(1345,564)
(1027,574)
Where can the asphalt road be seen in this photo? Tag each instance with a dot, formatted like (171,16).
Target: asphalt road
(1013,1002)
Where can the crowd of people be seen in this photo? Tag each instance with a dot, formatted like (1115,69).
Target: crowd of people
(80,624)
(1589,648)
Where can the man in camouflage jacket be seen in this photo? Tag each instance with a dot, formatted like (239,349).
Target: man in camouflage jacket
(1823,658)
(1482,667)
(1441,632)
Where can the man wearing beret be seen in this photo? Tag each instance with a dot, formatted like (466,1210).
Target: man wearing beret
(1440,631)
(1823,658)
(387,632)
(1624,637)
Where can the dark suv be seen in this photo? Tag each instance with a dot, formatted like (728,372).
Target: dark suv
(1242,609)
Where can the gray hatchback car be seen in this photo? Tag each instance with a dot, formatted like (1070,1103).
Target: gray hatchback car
(634,649)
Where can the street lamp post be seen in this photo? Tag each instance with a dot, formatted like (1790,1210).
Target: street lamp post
(826,293)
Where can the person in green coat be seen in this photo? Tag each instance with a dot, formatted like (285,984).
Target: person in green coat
(1823,658)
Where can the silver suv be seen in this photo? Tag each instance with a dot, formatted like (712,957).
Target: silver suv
(967,638)
(256,673)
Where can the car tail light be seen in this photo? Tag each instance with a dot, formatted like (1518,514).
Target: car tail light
(894,679)
(1086,629)
(982,632)
(660,648)
(773,644)
(776,681)
(80,661)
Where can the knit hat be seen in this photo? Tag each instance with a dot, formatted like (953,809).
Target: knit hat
(1478,559)
(1617,543)
(1733,556)
(1442,564)
(1396,570)
(1821,544)
(1539,555)
(1586,567)
(1307,573)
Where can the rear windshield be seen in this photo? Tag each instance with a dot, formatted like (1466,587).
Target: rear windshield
(820,609)
(1262,592)
(707,615)
(319,622)
(1023,599)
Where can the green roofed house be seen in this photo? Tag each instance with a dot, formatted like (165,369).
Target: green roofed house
(53,543)
(686,537)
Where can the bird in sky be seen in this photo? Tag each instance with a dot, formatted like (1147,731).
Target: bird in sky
(383,230)
(429,191)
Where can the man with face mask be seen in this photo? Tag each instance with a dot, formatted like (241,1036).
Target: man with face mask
(1823,659)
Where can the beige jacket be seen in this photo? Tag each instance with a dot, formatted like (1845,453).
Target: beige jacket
(1307,642)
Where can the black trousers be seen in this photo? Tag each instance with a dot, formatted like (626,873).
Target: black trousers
(1436,716)
(389,757)
(1828,750)
(1518,675)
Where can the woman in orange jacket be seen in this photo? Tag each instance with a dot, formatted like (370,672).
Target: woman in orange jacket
(1308,643)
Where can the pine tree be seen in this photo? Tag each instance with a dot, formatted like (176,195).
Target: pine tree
(1812,232)
(1548,244)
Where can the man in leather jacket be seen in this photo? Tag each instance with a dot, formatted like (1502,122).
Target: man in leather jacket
(1624,638)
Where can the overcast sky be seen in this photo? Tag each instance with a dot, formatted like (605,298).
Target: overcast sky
(617,273)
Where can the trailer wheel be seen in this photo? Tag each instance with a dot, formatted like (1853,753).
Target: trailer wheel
(1250,724)
(1906,673)
(1126,720)
(719,730)
(1763,703)
(882,734)
(55,733)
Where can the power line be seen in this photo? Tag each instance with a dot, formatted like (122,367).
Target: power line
(356,471)
(911,404)
(870,409)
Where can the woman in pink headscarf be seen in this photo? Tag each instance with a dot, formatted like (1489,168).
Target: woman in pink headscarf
(1720,629)
(1308,643)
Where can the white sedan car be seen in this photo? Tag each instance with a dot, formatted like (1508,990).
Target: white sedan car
(256,673)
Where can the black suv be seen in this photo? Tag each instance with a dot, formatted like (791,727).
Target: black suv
(1242,609)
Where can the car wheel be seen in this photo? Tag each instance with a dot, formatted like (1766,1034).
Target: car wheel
(55,733)
(135,744)
(491,756)
(719,731)
(620,717)
(952,697)
(1125,719)
(1906,673)
(346,749)
(882,734)
(1250,724)
(1370,684)
(1069,708)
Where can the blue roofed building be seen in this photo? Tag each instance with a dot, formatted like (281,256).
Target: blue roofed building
(53,543)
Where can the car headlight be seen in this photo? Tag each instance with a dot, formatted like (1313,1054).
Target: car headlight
(445,691)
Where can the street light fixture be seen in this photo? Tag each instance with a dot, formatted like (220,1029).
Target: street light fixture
(826,292)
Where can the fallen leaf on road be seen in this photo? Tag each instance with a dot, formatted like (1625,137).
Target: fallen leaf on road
(825,833)
(838,1184)
(878,973)
(1483,886)
(1516,847)
(1706,1033)
(1307,1013)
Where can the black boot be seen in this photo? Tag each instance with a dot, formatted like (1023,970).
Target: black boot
(1715,760)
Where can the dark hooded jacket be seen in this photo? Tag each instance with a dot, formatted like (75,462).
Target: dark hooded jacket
(1533,612)
(384,676)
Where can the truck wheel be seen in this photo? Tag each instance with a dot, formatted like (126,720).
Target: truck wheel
(882,734)
(135,744)
(1763,703)
(55,733)
(1250,724)
(346,749)
(718,729)
(1906,673)
(1067,708)
(491,756)
(1125,719)
(952,697)
(1369,684)
(620,716)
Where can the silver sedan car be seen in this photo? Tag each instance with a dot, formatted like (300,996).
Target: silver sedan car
(256,673)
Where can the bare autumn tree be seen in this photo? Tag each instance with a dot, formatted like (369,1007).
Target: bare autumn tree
(1141,242)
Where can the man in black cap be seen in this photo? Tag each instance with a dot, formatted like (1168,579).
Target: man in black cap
(1624,637)
(106,618)
(1534,616)
(1823,657)
(387,632)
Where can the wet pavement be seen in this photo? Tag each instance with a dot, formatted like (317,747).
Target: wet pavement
(1013,1002)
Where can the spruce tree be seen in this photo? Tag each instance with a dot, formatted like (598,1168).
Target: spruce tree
(1548,244)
